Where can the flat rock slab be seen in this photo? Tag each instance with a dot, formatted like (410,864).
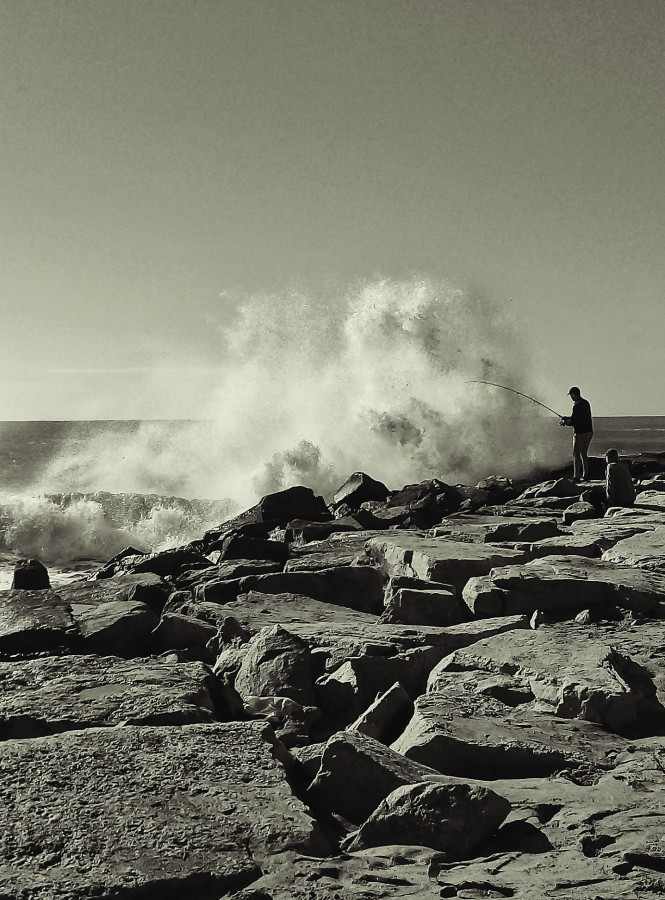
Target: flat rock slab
(340,549)
(643,642)
(34,622)
(565,840)
(144,588)
(567,545)
(492,529)
(140,811)
(634,514)
(570,671)
(462,732)
(646,551)
(255,610)
(560,583)
(355,587)
(606,532)
(315,561)
(343,640)
(654,500)
(60,693)
(439,559)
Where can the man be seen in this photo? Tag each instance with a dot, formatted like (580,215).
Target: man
(619,486)
(582,424)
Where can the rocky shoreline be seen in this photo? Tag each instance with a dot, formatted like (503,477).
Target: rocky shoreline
(441,691)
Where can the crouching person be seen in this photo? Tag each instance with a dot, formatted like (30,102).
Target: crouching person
(619,489)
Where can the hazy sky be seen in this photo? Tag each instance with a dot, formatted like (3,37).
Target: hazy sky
(159,158)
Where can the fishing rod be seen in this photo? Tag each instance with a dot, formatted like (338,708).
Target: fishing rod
(512,390)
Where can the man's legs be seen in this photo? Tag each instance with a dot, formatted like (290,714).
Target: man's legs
(581,455)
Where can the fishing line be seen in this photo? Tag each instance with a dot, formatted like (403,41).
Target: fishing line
(513,391)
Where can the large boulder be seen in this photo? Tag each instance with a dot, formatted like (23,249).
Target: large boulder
(577,511)
(428,500)
(277,663)
(654,500)
(179,632)
(165,563)
(254,610)
(342,640)
(275,510)
(566,545)
(606,532)
(358,488)
(557,487)
(339,549)
(293,503)
(406,606)
(454,819)
(356,773)
(299,531)
(239,546)
(386,718)
(348,691)
(30,575)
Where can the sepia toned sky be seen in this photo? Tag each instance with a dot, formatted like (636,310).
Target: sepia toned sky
(161,158)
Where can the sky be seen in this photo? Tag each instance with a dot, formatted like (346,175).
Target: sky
(163,161)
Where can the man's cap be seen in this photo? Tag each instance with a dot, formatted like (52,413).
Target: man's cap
(574,390)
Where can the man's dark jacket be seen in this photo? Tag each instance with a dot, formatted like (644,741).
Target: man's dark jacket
(581,417)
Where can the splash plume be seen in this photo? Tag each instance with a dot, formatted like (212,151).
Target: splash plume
(316,386)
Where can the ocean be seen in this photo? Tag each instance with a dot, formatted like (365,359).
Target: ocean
(57,505)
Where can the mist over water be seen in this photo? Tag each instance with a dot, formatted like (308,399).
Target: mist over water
(314,386)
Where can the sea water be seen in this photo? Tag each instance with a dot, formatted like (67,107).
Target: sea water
(52,508)
(57,504)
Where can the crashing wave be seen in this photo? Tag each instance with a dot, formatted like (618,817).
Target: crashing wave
(96,525)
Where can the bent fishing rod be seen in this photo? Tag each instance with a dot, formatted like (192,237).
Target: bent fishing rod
(513,391)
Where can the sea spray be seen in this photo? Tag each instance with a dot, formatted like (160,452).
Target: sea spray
(313,386)
(65,527)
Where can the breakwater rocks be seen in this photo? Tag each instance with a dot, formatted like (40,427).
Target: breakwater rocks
(442,691)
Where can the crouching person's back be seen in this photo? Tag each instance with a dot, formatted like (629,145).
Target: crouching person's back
(619,485)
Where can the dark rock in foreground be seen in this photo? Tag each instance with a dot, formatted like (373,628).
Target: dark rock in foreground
(30,575)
